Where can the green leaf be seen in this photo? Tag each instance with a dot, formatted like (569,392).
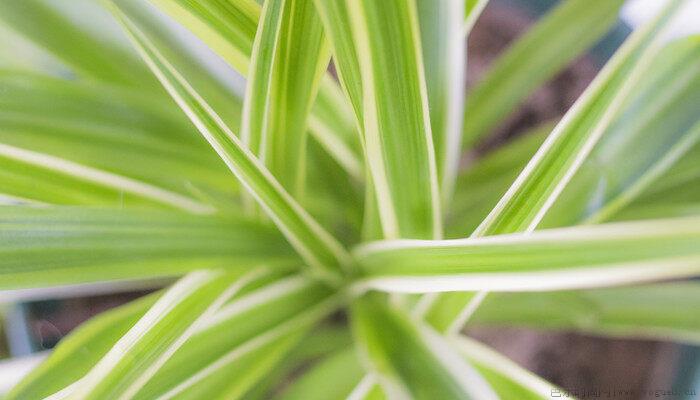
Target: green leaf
(264,305)
(243,341)
(342,369)
(657,311)
(509,380)
(289,57)
(150,343)
(86,46)
(92,144)
(410,359)
(46,246)
(480,186)
(319,344)
(397,136)
(337,25)
(79,352)
(537,187)
(556,40)
(229,29)
(444,58)
(613,177)
(566,258)
(318,248)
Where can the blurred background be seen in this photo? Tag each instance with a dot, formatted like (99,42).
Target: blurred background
(570,360)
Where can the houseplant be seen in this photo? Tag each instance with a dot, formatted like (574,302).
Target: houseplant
(345,199)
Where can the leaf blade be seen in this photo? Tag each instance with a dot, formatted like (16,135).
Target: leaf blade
(567,257)
(48,246)
(282,85)
(316,246)
(386,335)
(397,136)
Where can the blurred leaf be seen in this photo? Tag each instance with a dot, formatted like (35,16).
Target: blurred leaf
(15,369)
(86,48)
(472,11)
(44,246)
(318,248)
(659,311)
(561,155)
(413,360)
(613,176)
(565,258)
(103,142)
(319,344)
(209,75)
(558,38)
(540,183)
(79,352)
(332,378)
(289,57)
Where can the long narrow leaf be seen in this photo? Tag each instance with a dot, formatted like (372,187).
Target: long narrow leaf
(341,368)
(80,351)
(289,57)
(397,135)
(480,187)
(48,246)
(247,331)
(165,327)
(566,258)
(412,360)
(318,248)
(337,25)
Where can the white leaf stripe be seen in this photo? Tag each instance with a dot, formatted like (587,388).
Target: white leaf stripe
(266,294)
(602,233)
(574,278)
(322,252)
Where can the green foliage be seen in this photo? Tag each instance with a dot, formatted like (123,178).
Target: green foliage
(297,213)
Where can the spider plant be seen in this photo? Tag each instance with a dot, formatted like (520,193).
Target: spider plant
(322,237)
